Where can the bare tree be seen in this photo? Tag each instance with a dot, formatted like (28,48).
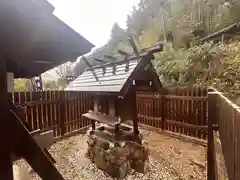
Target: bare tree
(64,70)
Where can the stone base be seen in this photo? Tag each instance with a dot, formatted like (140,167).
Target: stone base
(117,159)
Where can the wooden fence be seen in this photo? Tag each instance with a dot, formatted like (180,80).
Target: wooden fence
(227,116)
(180,110)
(58,110)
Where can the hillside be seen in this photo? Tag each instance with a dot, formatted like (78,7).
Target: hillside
(181,23)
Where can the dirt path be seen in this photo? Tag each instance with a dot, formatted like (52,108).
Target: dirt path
(170,159)
(186,160)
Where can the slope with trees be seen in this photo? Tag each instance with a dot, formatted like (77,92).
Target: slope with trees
(180,24)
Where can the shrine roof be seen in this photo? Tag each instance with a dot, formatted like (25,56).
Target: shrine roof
(116,77)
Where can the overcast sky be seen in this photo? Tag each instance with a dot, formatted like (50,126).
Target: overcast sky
(93,19)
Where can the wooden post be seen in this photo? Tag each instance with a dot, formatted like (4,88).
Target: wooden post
(62,113)
(212,115)
(6,171)
(162,101)
(95,109)
(112,108)
(134,112)
(25,146)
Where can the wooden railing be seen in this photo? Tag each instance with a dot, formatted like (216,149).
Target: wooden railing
(58,110)
(181,110)
(227,116)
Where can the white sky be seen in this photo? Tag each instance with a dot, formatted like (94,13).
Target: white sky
(93,19)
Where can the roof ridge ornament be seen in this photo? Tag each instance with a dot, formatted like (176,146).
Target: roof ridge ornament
(90,67)
(134,46)
(114,69)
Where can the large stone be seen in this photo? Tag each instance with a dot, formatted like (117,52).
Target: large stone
(140,166)
(100,160)
(118,171)
(124,169)
(91,155)
(103,144)
(91,141)
(117,160)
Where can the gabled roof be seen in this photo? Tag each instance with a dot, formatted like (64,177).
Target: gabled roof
(107,82)
(34,40)
(117,77)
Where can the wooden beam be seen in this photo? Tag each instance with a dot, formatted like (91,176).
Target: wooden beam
(25,146)
(110,57)
(130,57)
(6,171)
(99,60)
(90,67)
(134,47)
(212,115)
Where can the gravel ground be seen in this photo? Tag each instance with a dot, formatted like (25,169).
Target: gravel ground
(170,159)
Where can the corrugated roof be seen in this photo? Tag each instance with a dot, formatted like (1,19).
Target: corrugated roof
(108,81)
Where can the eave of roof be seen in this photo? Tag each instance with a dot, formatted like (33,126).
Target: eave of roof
(30,33)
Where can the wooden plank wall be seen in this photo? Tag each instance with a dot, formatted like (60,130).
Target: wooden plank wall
(228,116)
(180,110)
(58,110)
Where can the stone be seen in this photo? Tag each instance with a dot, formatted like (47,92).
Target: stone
(117,159)
(140,166)
(124,169)
(112,170)
(100,160)
(91,155)
(96,149)
(87,154)
(90,132)
(91,141)
(103,144)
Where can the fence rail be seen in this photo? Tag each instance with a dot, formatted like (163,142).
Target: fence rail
(180,110)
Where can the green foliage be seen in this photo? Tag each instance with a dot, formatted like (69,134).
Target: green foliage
(50,85)
(62,83)
(184,66)
(21,85)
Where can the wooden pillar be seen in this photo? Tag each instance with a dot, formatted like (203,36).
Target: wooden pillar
(95,109)
(212,119)
(112,107)
(95,105)
(134,110)
(25,146)
(62,113)
(162,111)
(6,172)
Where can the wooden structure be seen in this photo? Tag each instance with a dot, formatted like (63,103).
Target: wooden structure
(32,42)
(181,110)
(114,86)
(224,119)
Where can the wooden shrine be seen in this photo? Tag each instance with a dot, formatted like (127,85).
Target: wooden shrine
(33,41)
(114,87)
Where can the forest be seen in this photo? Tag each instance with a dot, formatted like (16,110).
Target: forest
(179,24)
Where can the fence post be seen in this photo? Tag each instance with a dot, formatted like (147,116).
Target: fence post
(212,119)
(62,113)
(162,101)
